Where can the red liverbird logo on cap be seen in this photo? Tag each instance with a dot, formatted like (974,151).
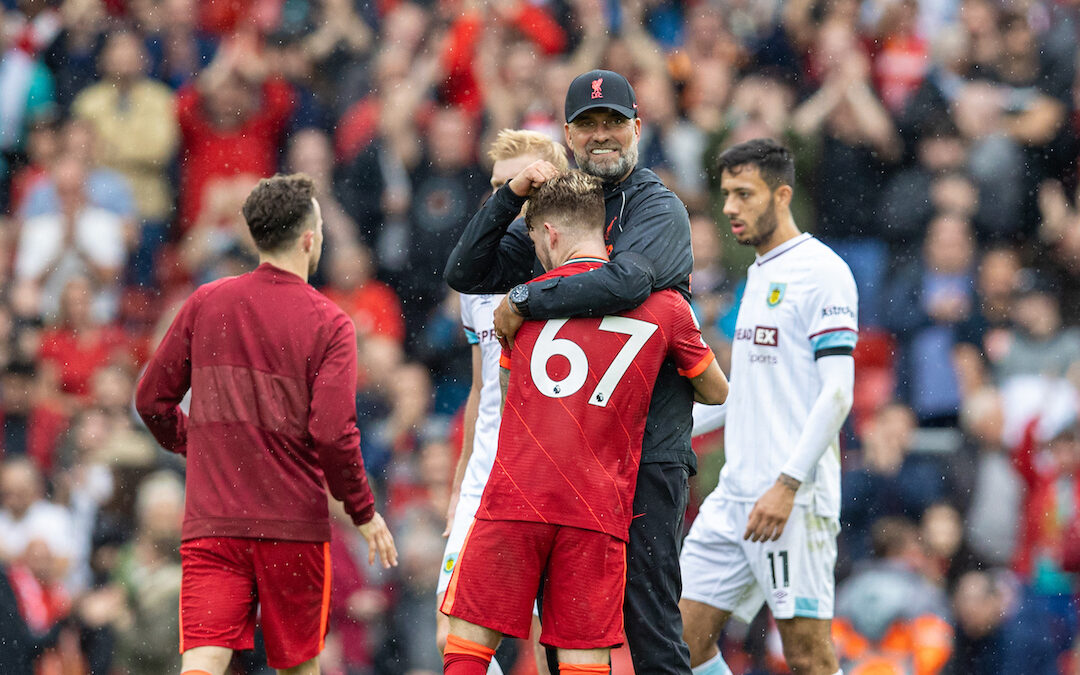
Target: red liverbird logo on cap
(596,93)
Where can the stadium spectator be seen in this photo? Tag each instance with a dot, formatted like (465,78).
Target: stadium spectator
(1038,343)
(858,139)
(992,519)
(103,187)
(79,240)
(891,481)
(178,50)
(890,619)
(927,303)
(26,516)
(134,121)
(218,243)
(999,629)
(1048,553)
(28,86)
(232,117)
(372,305)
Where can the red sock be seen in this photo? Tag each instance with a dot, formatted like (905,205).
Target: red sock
(465,657)
(584,669)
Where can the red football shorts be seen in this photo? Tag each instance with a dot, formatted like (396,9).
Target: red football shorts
(225,579)
(502,565)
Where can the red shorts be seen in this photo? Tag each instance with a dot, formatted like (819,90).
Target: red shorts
(503,563)
(225,578)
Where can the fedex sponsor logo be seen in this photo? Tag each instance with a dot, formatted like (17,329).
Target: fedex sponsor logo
(837,310)
(766,336)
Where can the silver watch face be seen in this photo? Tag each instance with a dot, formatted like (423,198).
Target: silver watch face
(519,293)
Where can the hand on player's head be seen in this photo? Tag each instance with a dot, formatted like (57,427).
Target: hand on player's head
(380,542)
(532,177)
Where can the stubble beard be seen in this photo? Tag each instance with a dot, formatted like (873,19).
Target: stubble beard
(766,224)
(608,172)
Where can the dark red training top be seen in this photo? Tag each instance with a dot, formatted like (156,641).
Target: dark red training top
(271,364)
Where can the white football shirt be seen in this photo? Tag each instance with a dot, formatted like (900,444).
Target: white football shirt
(799,304)
(477,316)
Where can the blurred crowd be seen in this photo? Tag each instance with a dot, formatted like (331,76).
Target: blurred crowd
(936,143)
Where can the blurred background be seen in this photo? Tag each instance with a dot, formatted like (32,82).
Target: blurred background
(937,153)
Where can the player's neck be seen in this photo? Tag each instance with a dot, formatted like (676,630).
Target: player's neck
(289,262)
(582,250)
(785,231)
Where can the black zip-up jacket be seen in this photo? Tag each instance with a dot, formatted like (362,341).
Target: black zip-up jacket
(648,239)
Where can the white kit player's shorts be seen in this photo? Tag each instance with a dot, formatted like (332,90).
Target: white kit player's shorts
(463,519)
(793,574)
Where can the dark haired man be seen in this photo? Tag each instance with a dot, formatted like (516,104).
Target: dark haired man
(271,365)
(768,531)
(558,500)
(647,236)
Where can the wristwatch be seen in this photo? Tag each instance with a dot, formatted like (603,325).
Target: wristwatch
(519,298)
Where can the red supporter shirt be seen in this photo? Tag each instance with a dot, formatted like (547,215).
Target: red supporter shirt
(271,364)
(570,440)
(209,153)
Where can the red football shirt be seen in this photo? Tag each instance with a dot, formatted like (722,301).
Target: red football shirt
(570,440)
(271,364)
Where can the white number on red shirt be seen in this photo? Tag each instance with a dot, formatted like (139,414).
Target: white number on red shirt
(547,346)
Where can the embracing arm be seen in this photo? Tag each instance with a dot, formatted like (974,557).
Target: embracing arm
(491,256)
(653,254)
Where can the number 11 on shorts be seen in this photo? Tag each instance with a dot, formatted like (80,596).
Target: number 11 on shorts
(783,556)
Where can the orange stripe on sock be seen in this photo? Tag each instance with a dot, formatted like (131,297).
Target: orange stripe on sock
(459,645)
(584,668)
(324,613)
(196,672)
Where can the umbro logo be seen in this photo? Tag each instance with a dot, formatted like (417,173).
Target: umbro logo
(766,336)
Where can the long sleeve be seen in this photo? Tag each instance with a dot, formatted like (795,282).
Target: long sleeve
(491,256)
(827,415)
(652,253)
(332,424)
(166,381)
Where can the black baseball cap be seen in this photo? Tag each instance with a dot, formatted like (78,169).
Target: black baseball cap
(600,89)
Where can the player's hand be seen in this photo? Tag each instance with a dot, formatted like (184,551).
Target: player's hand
(380,542)
(507,323)
(532,177)
(450,510)
(770,513)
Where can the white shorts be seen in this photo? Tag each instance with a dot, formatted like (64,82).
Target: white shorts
(794,574)
(463,519)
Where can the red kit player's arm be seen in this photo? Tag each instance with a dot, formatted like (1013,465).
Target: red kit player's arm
(694,358)
(332,424)
(711,386)
(166,380)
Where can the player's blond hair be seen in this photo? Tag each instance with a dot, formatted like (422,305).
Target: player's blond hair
(574,198)
(512,143)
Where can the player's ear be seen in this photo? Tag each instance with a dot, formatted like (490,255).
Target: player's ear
(782,195)
(552,234)
(566,130)
(307,240)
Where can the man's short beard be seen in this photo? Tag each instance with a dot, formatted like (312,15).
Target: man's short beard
(766,225)
(608,172)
